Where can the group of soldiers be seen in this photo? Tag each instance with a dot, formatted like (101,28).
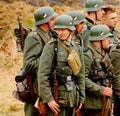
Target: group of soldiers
(81,88)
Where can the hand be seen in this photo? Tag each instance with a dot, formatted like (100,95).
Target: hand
(107,92)
(112,106)
(78,108)
(54,106)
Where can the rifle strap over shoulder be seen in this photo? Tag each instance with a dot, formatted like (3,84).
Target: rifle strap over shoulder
(55,52)
(93,53)
(94,56)
(64,46)
(42,36)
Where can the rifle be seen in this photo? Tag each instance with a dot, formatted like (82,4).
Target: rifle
(32,89)
(55,88)
(20,41)
(108,69)
(55,72)
(105,109)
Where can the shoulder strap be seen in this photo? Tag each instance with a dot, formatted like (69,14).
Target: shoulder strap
(42,36)
(93,55)
(64,46)
(79,37)
(55,52)
(93,52)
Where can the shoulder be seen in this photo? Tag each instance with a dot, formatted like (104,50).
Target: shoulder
(32,35)
(49,45)
(88,53)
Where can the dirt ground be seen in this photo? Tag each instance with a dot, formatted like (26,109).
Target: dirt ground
(10,59)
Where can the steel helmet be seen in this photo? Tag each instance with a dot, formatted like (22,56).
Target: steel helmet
(99,32)
(64,21)
(77,16)
(43,15)
(94,5)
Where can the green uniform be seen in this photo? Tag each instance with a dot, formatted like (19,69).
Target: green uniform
(114,39)
(115,59)
(74,93)
(78,39)
(32,51)
(94,87)
(86,31)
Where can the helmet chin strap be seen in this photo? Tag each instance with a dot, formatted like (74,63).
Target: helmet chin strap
(96,17)
(101,45)
(105,49)
(48,26)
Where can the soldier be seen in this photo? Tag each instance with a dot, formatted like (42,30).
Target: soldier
(115,59)
(110,19)
(71,86)
(79,22)
(44,21)
(95,12)
(96,79)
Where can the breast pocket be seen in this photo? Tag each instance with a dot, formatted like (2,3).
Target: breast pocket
(62,56)
(61,60)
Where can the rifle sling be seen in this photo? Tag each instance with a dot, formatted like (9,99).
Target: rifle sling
(64,46)
(55,52)
(43,37)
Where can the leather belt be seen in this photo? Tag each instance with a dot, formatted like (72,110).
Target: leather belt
(62,79)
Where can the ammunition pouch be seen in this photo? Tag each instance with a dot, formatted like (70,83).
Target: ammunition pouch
(63,102)
(102,81)
(106,64)
(25,89)
(62,79)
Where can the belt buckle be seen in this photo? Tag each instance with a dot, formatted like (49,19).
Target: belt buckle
(69,78)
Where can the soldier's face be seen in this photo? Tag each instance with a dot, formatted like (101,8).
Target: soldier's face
(100,14)
(111,20)
(105,43)
(64,34)
(80,26)
(51,23)
(45,28)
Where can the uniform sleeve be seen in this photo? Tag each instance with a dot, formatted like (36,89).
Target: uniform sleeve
(91,87)
(115,59)
(32,51)
(44,88)
(85,36)
(82,79)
